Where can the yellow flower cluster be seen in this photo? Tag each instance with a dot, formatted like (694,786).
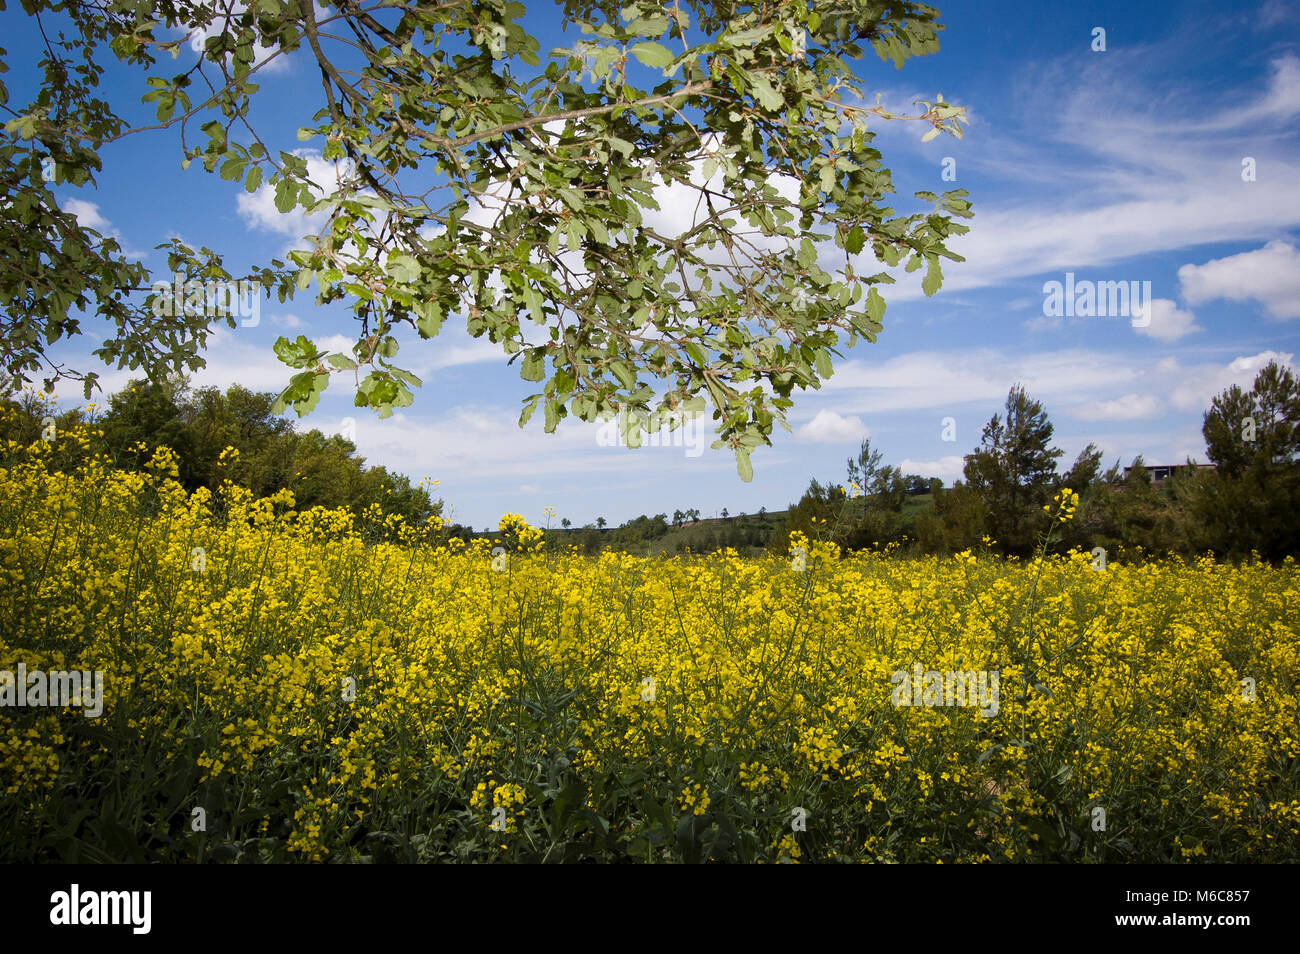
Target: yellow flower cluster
(516,532)
(1066,502)
(694,799)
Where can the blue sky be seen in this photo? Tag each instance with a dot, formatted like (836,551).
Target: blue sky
(1122,165)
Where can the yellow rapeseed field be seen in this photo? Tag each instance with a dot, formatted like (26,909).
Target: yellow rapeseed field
(282,685)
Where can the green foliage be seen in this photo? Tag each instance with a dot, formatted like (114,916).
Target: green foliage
(1259,428)
(958,521)
(1253,437)
(872,511)
(1130,519)
(321,471)
(813,514)
(1085,471)
(1014,472)
(754,111)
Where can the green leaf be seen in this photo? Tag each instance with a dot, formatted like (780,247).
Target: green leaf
(747,37)
(654,55)
(856,240)
(828,178)
(408,378)
(342,362)
(933,277)
(530,405)
(648,26)
(807,253)
(743,465)
(766,95)
(286,195)
(624,375)
(875,306)
(298,353)
(402,267)
(430,318)
(823,363)
(534,302)
(233,168)
(533,366)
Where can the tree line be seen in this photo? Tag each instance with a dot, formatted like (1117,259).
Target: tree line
(1245,503)
(199,425)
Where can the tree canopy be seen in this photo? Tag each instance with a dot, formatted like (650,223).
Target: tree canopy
(471,175)
(1014,470)
(1259,427)
(216,437)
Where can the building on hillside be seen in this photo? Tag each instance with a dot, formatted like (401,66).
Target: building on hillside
(1162,472)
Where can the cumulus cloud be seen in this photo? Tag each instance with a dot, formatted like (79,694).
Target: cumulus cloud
(87,214)
(1197,386)
(829,427)
(1269,275)
(1168,322)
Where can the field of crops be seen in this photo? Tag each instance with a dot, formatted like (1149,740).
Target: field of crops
(281,685)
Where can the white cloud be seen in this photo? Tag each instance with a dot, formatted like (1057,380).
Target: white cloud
(1168,323)
(1130,407)
(831,428)
(1044,323)
(1270,275)
(1197,386)
(472,352)
(483,448)
(1282,99)
(948,379)
(1091,385)
(87,214)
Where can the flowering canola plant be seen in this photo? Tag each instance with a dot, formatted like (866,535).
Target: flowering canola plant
(320,697)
